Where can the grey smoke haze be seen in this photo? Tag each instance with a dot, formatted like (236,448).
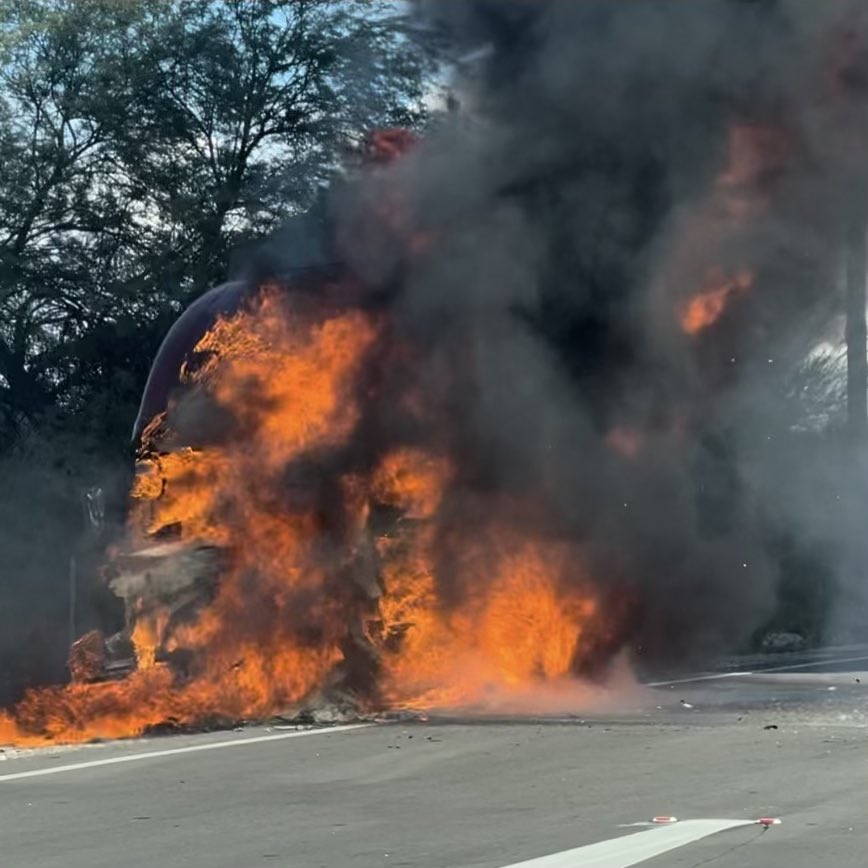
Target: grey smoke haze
(576,203)
(43,523)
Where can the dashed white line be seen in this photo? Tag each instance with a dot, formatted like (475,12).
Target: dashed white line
(175,751)
(633,849)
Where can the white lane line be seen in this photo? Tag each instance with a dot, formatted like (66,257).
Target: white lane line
(789,667)
(716,676)
(825,662)
(193,748)
(633,849)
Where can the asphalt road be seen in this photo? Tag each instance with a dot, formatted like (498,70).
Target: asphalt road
(486,793)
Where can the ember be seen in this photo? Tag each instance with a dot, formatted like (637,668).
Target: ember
(705,309)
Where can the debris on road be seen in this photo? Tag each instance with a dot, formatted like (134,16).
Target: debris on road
(768,821)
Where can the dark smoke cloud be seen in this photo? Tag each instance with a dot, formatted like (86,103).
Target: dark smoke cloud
(573,201)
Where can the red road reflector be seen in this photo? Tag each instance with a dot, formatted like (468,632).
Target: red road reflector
(662,821)
(768,821)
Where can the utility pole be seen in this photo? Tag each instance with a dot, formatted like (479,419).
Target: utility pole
(93,502)
(856,333)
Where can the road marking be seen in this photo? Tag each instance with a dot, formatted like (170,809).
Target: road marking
(193,748)
(711,677)
(825,662)
(633,849)
(790,667)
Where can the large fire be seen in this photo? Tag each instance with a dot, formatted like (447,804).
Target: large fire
(352,562)
(338,569)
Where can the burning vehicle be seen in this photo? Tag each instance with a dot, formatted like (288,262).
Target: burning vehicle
(267,478)
(298,349)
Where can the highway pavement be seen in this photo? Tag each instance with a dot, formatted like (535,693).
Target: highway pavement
(775,737)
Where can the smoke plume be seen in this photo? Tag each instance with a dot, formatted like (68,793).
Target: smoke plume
(617,172)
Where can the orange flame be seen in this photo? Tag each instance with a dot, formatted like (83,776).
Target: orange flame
(521,628)
(385,146)
(705,309)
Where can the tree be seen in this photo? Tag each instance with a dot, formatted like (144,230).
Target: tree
(242,112)
(58,215)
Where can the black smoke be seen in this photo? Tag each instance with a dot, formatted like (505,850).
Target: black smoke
(575,203)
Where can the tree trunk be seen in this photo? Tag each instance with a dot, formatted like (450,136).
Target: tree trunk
(856,332)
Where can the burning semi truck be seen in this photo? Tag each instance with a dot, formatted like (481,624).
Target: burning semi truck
(287,509)
(290,480)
